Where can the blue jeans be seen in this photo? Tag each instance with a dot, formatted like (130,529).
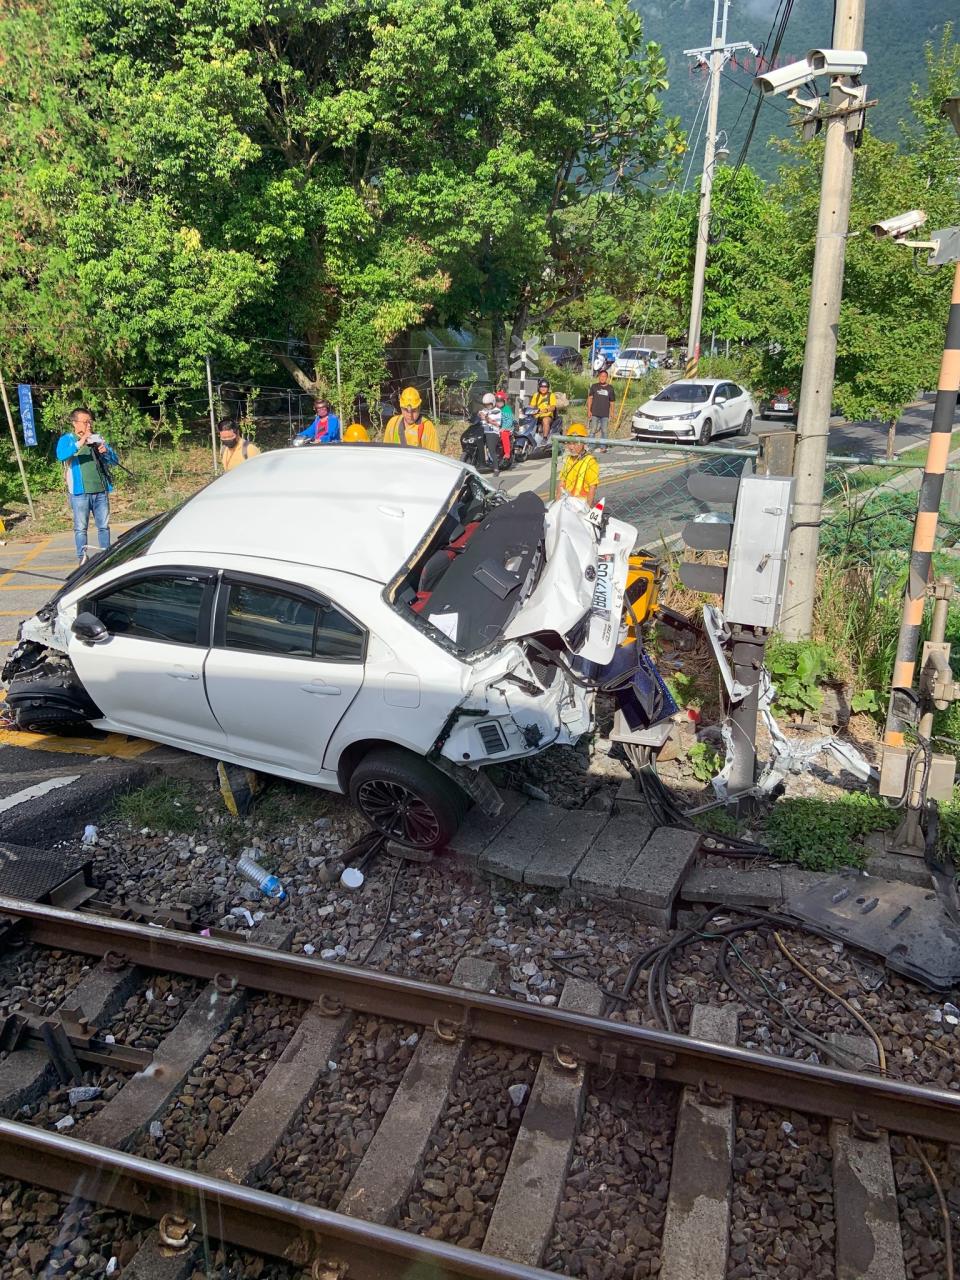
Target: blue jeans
(84,505)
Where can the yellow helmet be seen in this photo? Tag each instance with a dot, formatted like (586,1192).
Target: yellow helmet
(355,433)
(410,398)
(576,429)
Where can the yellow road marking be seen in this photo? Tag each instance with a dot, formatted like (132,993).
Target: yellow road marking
(31,555)
(47,586)
(115,745)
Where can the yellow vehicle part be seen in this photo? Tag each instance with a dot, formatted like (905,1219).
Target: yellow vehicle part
(644,577)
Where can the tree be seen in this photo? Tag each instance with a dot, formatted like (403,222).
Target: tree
(260,180)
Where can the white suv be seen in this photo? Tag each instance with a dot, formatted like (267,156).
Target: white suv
(368,619)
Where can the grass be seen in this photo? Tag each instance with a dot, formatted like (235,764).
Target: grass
(167,805)
(823,834)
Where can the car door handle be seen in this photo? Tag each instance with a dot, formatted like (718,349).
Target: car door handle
(321,690)
(182,674)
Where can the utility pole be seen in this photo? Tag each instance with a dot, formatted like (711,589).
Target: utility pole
(714,58)
(842,122)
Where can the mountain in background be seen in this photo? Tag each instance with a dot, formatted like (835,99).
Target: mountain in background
(895,34)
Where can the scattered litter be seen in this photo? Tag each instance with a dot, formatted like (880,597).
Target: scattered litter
(148,995)
(351,878)
(331,1066)
(108,1039)
(204,933)
(518,1094)
(242,914)
(65,1122)
(111,1267)
(90,834)
(156,1129)
(257,917)
(84,1093)
(787,1128)
(308,948)
(251,870)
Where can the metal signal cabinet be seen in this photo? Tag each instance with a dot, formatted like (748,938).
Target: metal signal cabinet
(758,551)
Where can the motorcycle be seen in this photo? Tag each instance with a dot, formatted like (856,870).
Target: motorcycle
(474,449)
(528,441)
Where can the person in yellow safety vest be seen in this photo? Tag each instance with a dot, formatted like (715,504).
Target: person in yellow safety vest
(580,473)
(356,434)
(544,406)
(417,431)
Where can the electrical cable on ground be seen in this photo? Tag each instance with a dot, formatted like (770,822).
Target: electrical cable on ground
(916,1150)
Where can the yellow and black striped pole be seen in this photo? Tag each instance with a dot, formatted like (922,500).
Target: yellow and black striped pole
(925,528)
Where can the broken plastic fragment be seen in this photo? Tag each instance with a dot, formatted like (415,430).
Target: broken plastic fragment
(65,1122)
(90,834)
(242,914)
(156,1129)
(352,878)
(308,948)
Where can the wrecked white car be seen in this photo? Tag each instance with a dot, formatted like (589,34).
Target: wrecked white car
(371,620)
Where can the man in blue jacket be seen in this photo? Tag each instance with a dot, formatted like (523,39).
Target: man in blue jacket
(324,429)
(85,457)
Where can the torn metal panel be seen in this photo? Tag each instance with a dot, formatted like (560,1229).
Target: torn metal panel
(905,924)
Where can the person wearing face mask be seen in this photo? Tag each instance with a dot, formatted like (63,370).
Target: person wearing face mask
(234,446)
(86,457)
(325,427)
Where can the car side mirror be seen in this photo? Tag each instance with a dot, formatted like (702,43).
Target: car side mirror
(88,628)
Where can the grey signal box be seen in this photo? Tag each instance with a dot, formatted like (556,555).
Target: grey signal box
(756,539)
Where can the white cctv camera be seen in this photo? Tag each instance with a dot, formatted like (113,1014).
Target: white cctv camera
(899,226)
(783,79)
(837,62)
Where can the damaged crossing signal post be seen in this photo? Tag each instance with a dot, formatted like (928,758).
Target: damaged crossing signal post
(754,538)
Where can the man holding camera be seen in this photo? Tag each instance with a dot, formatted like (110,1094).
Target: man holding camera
(86,457)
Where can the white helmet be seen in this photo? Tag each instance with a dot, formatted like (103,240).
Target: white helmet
(490,398)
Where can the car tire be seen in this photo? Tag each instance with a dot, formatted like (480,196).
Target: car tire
(706,433)
(747,423)
(404,797)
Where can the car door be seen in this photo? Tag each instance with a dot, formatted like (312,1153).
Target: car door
(146,676)
(283,669)
(737,405)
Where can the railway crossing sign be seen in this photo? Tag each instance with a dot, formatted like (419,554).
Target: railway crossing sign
(524,372)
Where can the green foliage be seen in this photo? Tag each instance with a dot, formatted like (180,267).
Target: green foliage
(798,668)
(167,805)
(950,827)
(705,761)
(867,701)
(823,834)
(684,689)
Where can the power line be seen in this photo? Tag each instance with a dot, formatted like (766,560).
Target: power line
(781,28)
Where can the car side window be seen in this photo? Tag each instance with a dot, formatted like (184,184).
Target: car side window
(266,619)
(159,607)
(720,393)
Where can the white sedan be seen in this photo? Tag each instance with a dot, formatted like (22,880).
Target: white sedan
(371,620)
(694,411)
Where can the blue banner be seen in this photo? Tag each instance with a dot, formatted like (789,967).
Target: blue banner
(26,413)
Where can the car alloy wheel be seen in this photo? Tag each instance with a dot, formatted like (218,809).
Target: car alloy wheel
(746,424)
(399,813)
(706,433)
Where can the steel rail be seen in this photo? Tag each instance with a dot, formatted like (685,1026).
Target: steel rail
(332,1243)
(864,1100)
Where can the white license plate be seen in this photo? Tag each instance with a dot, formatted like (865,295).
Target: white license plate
(781,406)
(603,588)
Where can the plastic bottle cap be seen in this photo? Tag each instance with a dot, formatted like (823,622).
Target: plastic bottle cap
(351,878)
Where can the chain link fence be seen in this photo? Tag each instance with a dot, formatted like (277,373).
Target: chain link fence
(869,504)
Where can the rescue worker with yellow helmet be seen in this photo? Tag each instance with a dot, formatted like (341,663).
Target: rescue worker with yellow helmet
(356,434)
(580,473)
(408,427)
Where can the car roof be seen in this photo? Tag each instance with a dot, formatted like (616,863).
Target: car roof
(699,382)
(359,508)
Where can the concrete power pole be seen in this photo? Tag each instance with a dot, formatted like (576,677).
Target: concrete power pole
(714,57)
(816,387)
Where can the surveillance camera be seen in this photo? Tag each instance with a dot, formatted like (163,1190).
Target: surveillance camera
(900,226)
(837,62)
(783,79)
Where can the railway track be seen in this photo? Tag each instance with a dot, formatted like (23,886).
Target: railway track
(509,1137)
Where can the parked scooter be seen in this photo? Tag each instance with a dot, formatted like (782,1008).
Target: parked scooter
(475,446)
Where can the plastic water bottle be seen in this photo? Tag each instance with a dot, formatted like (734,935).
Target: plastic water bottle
(268,884)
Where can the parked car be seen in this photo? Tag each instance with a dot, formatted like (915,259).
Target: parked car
(781,404)
(695,411)
(565,357)
(366,619)
(633,362)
